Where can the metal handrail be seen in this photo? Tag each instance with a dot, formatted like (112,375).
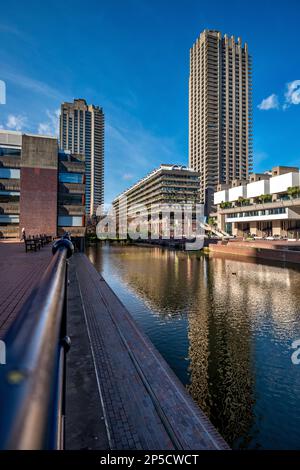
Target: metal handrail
(32,381)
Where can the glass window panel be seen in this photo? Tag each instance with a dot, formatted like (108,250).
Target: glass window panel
(71,178)
(9,173)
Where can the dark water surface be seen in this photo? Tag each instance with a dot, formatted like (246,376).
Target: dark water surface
(226,329)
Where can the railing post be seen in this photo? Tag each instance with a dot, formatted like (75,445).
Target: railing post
(64,346)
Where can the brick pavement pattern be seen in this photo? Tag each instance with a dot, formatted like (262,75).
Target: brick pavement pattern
(20,273)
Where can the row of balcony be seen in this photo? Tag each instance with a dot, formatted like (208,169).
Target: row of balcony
(10,208)
(9,185)
(71,210)
(72,188)
(9,231)
(259,204)
(72,167)
(13,208)
(74,231)
(10,162)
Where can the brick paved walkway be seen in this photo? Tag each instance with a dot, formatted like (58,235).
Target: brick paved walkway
(84,421)
(19,275)
(145,406)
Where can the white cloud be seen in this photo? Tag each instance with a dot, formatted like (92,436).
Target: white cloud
(51,126)
(2,92)
(44,128)
(16,122)
(127,176)
(292,95)
(259,157)
(269,103)
(28,83)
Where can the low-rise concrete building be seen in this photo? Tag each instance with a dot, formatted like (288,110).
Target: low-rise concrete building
(42,189)
(266,205)
(167,185)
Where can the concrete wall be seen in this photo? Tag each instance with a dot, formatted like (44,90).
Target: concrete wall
(276,227)
(38,200)
(256,251)
(237,192)
(221,196)
(258,188)
(10,138)
(274,185)
(253,228)
(279,184)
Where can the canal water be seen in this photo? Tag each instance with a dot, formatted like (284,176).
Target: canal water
(226,328)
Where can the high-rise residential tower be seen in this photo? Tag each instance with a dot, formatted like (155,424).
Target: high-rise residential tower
(220,111)
(82,132)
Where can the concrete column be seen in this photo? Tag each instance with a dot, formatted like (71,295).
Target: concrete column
(276,227)
(253,228)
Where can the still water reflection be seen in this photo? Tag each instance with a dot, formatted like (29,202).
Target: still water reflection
(226,328)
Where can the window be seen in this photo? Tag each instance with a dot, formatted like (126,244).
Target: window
(71,199)
(8,173)
(71,178)
(69,221)
(9,219)
(10,151)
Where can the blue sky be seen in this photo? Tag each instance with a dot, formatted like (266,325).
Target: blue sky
(132,58)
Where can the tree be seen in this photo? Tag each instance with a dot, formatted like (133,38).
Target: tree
(265,198)
(211,221)
(242,201)
(225,205)
(293,191)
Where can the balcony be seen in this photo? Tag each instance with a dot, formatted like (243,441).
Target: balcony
(9,185)
(292,203)
(72,167)
(10,162)
(9,231)
(9,208)
(72,188)
(74,231)
(71,210)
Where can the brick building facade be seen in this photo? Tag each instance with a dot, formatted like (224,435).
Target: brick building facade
(38,185)
(42,189)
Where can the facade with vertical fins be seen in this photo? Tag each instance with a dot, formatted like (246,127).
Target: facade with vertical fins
(220,111)
(82,133)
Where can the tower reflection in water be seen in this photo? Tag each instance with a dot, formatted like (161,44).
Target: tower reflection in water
(225,327)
